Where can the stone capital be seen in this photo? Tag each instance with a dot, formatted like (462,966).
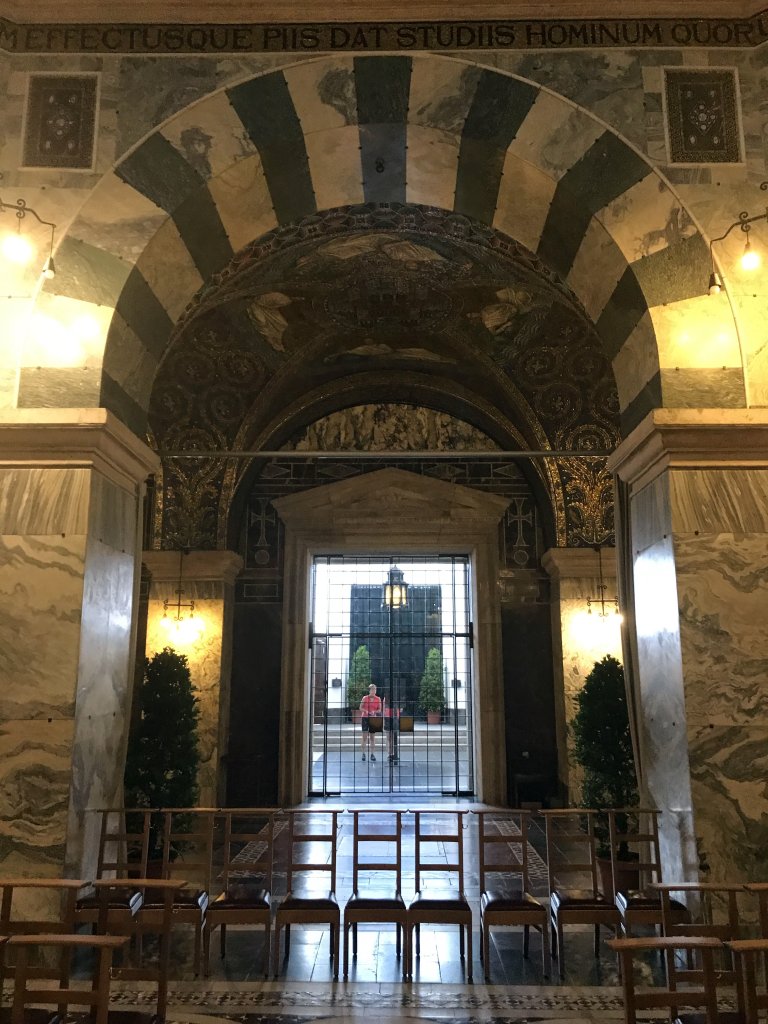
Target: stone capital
(575,563)
(76,439)
(691,438)
(197,566)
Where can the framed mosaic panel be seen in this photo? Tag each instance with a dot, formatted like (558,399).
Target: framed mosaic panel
(60,123)
(701,113)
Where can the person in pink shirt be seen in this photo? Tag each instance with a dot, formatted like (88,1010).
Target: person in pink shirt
(370,706)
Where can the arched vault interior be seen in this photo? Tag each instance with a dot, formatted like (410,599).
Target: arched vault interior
(374,305)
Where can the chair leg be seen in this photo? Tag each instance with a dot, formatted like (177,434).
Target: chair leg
(485,945)
(469,953)
(418,940)
(526,939)
(546,962)
(287,930)
(397,941)
(223,941)
(276,950)
(597,940)
(198,948)
(335,930)
(354,941)
(461,941)
(561,948)
(346,950)
(206,950)
(406,961)
(265,955)
(553,937)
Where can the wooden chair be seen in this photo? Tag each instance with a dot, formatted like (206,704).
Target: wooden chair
(187,845)
(123,853)
(747,954)
(108,889)
(37,986)
(636,831)
(436,906)
(760,890)
(246,876)
(572,856)
(699,989)
(376,826)
(506,901)
(305,831)
(717,916)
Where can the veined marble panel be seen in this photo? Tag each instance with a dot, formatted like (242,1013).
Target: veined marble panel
(441,93)
(35,774)
(653,205)
(209,136)
(431,162)
(720,501)
(597,269)
(723,596)
(41,587)
(661,705)
(323,93)
(651,514)
(525,195)
(243,201)
(44,501)
(729,767)
(119,219)
(636,362)
(697,332)
(169,270)
(113,515)
(555,135)
(335,166)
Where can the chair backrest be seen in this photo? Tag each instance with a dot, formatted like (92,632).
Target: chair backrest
(57,990)
(571,849)
(635,831)
(312,847)
(753,987)
(59,894)
(124,841)
(188,844)
(377,826)
(248,845)
(700,986)
(503,847)
(443,828)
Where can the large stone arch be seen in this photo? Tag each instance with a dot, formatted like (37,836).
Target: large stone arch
(339,131)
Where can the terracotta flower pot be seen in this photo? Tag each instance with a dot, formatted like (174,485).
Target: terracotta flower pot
(434,717)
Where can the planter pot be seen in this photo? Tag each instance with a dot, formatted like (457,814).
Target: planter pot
(434,717)
(627,876)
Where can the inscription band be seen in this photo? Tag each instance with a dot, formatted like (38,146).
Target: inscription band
(361,37)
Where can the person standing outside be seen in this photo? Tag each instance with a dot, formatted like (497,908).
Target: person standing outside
(370,706)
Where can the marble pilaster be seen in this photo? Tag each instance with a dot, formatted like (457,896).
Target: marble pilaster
(208,579)
(579,638)
(693,493)
(71,489)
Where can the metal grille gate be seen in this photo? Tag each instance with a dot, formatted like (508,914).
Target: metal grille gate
(414,642)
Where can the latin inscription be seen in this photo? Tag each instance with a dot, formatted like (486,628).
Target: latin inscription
(385,37)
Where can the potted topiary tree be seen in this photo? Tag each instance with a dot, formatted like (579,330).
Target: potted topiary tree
(358,681)
(603,748)
(163,759)
(431,691)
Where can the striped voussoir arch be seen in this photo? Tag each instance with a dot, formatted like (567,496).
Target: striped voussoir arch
(437,131)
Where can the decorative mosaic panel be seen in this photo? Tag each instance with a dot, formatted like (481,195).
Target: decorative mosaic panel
(61,121)
(702,115)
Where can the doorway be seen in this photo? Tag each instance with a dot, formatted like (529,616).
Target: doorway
(403,623)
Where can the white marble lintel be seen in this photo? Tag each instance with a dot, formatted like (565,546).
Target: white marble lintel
(685,438)
(75,438)
(200,566)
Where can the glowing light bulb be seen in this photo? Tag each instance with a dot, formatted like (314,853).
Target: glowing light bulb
(17,249)
(750,259)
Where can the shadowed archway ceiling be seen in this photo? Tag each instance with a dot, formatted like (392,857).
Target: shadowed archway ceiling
(381,304)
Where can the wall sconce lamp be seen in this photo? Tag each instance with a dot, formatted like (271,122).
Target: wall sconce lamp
(395,589)
(16,247)
(604,607)
(184,629)
(750,258)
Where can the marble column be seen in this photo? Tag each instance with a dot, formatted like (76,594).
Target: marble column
(579,638)
(71,489)
(208,579)
(692,489)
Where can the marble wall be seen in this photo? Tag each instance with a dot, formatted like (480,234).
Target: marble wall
(208,581)
(579,639)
